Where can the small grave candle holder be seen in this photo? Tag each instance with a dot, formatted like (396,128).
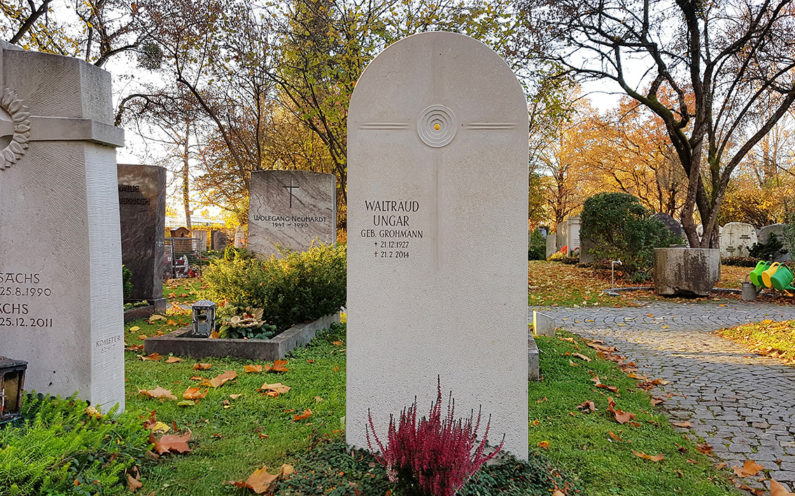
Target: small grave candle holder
(203,318)
(12,382)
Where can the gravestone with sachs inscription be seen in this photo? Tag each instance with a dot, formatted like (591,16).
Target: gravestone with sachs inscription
(291,209)
(437,257)
(142,212)
(60,293)
(736,239)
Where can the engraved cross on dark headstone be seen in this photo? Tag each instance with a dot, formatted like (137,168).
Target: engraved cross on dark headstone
(290,188)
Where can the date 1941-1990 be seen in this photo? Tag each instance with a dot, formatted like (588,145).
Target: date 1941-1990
(24,322)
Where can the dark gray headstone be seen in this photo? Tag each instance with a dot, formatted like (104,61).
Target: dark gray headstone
(778,230)
(142,212)
(586,245)
(218,240)
(672,224)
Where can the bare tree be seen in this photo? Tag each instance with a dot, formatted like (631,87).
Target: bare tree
(709,70)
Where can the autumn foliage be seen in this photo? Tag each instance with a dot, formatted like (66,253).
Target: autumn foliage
(435,455)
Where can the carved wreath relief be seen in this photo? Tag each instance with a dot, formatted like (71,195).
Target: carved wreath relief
(19,128)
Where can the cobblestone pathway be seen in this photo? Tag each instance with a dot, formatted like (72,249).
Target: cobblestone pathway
(740,403)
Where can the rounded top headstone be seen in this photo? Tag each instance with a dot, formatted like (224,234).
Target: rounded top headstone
(446,82)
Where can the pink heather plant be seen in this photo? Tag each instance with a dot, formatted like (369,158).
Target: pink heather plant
(433,457)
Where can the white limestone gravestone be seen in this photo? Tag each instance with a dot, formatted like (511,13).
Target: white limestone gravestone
(552,245)
(437,263)
(291,209)
(60,269)
(573,233)
(736,239)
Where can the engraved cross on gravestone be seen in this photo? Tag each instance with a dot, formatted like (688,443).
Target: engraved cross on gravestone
(290,188)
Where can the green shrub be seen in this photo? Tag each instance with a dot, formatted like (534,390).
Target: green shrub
(537,247)
(331,464)
(769,250)
(61,449)
(297,288)
(789,231)
(126,282)
(621,228)
(740,261)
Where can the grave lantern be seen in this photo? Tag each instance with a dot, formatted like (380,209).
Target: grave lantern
(203,318)
(12,380)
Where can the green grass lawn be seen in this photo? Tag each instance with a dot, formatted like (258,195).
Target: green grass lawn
(581,443)
(774,339)
(560,284)
(229,441)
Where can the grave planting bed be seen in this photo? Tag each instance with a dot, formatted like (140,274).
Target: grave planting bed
(181,343)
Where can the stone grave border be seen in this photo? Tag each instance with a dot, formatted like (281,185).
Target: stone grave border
(178,342)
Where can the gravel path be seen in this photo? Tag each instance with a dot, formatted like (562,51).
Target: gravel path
(741,403)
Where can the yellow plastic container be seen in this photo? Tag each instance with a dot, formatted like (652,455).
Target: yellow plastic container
(766,275)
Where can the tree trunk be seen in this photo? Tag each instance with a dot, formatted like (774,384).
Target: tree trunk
(185,174)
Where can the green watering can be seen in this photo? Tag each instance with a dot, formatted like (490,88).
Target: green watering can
(756,274)
(782,278)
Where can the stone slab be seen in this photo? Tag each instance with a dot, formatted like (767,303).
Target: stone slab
(199,240)
(291,209)
(573,233)
(218,240)
(437,257)
(180,343)
(778,229)
(60,270)
(672,224)
(543,325)
(686,271)
(736,239)
(142,212)
(533,360)
(552,245)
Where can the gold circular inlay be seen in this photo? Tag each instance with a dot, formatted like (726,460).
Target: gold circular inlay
(437,126)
